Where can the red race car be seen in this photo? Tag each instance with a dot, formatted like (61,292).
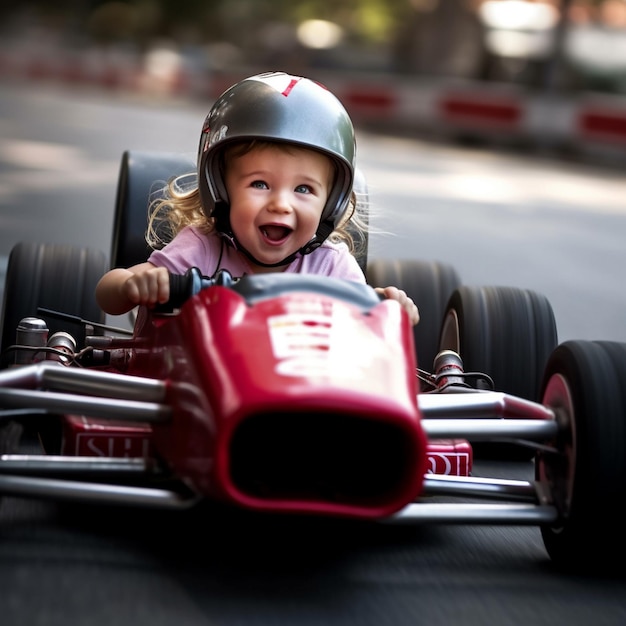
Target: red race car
(302,395)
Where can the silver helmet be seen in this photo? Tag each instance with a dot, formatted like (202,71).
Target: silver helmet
(276,106)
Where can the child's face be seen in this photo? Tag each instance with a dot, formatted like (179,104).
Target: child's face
(276,199)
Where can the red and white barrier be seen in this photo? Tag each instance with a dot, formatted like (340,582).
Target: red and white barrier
(471,109)
(492,111)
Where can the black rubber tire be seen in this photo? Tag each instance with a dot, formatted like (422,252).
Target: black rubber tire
(139,172)
(505,332)
(429,284)
(584,384)
(54,276)
(10,438)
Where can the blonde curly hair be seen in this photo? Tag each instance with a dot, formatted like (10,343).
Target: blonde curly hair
(177,204)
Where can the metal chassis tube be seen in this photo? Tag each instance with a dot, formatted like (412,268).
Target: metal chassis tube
(473,416)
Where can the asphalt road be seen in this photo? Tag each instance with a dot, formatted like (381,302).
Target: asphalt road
(500,218)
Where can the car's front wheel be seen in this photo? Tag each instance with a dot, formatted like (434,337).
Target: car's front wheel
(586,470)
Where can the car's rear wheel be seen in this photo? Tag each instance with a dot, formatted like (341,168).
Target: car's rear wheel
(61,278)
(507,333)
(583,383)
(429,284)
(58,277)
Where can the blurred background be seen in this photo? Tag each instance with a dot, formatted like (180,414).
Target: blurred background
(543,44)
(543,73)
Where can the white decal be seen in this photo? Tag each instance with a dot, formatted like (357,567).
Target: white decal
(448,463)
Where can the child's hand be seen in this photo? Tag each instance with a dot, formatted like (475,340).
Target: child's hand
(393,293)
(147,286)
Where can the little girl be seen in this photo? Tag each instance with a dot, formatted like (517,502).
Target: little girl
(274,193)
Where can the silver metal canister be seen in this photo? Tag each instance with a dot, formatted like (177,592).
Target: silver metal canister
(63,344)
(449,369)
(32,332)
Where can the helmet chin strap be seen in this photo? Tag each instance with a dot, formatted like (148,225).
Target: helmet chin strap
(223,227)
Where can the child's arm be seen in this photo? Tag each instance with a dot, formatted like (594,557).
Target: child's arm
(393,293)
(121,290)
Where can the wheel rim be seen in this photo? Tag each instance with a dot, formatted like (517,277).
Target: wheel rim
(557,468)
(450,338)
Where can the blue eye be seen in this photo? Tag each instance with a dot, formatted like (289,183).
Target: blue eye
(303,189)
(259,184)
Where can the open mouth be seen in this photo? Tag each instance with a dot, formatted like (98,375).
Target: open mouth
(275,233)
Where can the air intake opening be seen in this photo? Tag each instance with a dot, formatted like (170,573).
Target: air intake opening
(322,457)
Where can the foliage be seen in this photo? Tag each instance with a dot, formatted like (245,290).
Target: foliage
(366,20)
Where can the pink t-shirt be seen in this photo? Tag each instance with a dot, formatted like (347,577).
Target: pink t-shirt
(190,248)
